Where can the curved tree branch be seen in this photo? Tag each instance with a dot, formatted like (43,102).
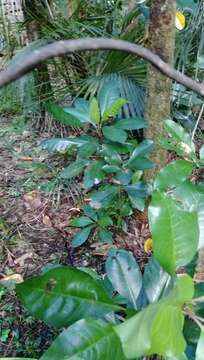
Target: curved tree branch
(60,48)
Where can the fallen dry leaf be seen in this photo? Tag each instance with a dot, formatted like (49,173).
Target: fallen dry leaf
(11,280)
(47,221)
(101,249)
(33,200)
(25,158)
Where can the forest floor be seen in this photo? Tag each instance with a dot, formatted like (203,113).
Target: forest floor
(34,232)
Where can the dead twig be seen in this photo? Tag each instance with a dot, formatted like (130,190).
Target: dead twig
(61,48)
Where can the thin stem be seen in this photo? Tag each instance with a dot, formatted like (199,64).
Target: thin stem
(197,122)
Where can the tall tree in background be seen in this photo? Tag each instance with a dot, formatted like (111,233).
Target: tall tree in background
(159,87)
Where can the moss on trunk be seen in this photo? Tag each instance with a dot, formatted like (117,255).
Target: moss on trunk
(161,42)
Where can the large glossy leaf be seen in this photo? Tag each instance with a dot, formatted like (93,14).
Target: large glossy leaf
(158,328)
(114,108)
(131,124)
(106,236)
(93,173)
(87,340)
(124,274)
(64,295)
(173,174)
(155,280)
(103,198)
(138,190)
(124,176)
(108,94)
(192,197)
(141,163)
(141,150)
(94,111)
(81,236)
(90,212)
(181,136)
(175,232)
(88,149)
(79,110)
(114,134)
(200,346)
(81,221)
(111,155)
(61,144)
(62,116)
(73,169)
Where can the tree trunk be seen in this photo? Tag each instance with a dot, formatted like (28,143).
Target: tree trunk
(161,42)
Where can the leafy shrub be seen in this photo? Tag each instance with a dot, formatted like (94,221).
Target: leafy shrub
(127,314)
(152,303)
(111,161)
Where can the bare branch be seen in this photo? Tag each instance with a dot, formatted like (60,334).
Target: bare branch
(60,48)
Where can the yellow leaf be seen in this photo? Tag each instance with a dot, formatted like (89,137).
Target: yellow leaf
(148,245)
(180,21)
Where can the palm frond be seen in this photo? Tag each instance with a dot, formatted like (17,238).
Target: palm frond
(127,89)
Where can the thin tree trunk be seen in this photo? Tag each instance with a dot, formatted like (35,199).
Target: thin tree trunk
(159,87)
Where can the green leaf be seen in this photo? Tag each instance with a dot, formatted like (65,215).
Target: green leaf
(62,116)
(90,212)
(87,340)
(81,221)
(201,152)
(155,280)
(94,111)
(109,169)
(192,197)
(187,4)
(61,144)
(139,190)
(93,173)
(105,220)
(200,346)
(81,237)
(141,150)
(180,357)
(111,155)
(131,124)
(113,109)
(124,176)
(64,295)
(100,199)
(124,274)
(16,358)
(73,169)
(136,202)
(191,331)
(180,135)
(114,134)
(88,149)
(79,110)
(108,94)
(173,174)
(175,232)
(141,163)
(158,328)
(106,236)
